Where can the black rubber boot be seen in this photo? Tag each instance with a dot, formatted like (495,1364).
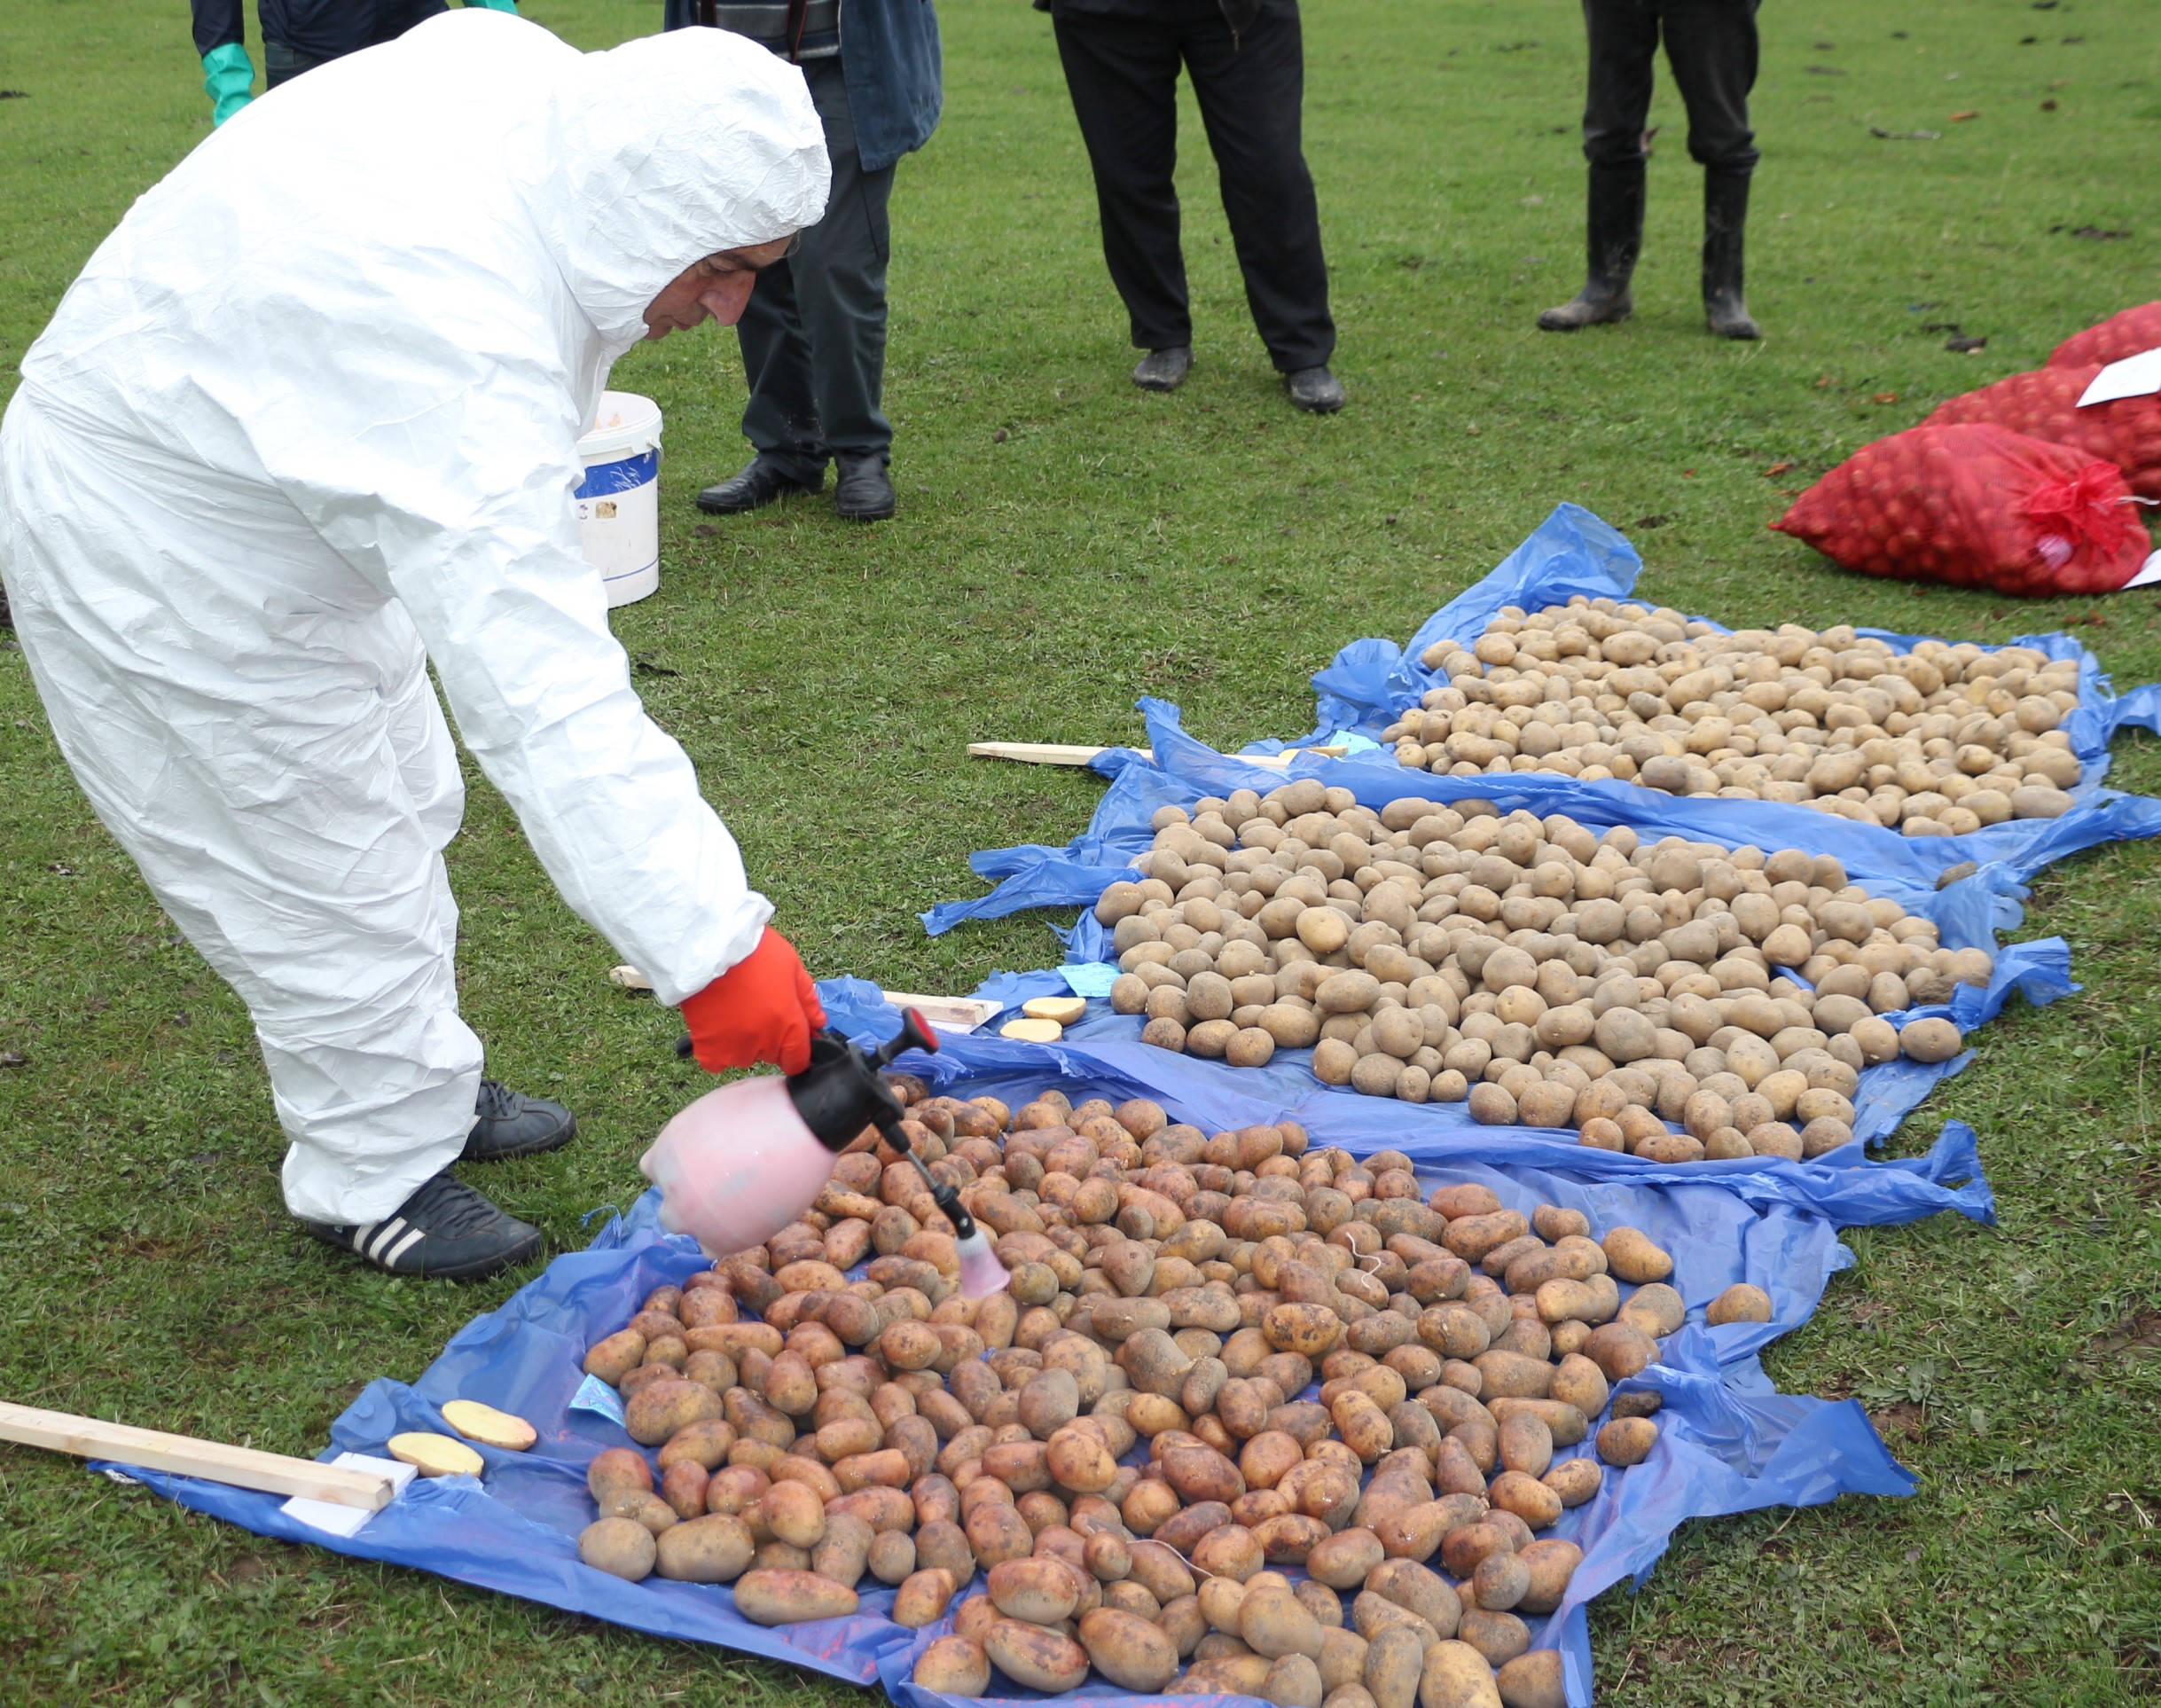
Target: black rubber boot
(1164,370)
(445,1231)
(1725,218)
(1615,225)
(507,1123)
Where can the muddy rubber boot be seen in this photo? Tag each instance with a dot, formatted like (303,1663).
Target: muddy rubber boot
(1616,238)
(1726,217)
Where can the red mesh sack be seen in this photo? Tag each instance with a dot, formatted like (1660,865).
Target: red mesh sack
(1977,506)
(2044,404)
(2129,333)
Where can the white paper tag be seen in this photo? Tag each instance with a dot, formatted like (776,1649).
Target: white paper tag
(2150,571)
(2133,377)
(328,1515)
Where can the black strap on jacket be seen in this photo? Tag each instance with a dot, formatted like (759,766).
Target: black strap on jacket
(708,13)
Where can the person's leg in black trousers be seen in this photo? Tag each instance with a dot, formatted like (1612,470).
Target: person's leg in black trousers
(1123,74)
(1623,45)
(813,336)
(1251,89)
(1711,46)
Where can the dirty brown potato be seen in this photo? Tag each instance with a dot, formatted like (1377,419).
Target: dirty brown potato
(922,1597)
(954,1666)
(621,1548)
(1456,1675)
(1626,1440)
(1942,740)
(1739,1302)
(713,1549)
(766,1596)
(1130,1652)
(1532,1680)
(1036,1655)
(1176,1292)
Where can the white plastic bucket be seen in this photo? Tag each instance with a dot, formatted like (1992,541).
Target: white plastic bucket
(619,500)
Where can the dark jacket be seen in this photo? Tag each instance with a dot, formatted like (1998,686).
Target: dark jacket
(895,76)
(315,30)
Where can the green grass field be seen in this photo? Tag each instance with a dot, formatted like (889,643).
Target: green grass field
(1067,544)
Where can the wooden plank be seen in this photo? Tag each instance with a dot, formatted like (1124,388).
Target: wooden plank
(946,1013)
(244,1468)
(1042,753)
(1053,753)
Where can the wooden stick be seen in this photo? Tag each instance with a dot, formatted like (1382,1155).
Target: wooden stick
(964,1013)
(244,1468)
(1053,753)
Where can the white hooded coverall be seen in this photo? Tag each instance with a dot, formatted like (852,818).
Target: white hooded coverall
(309,421)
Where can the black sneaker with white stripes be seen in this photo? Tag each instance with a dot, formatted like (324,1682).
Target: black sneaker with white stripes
(444,1231)
(507,1123)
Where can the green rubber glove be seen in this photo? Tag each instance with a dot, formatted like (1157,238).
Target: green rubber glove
(229,79)
(510,6)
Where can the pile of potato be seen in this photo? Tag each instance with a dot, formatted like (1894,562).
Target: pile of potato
(1937,742)
(1550,976)
(1174,1288)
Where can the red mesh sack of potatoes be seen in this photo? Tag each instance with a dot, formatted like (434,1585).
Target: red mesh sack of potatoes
(2129,333)
(2044,404)
(1977,506)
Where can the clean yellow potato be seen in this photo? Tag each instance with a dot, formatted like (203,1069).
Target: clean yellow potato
(435,1455)
(1032,1032)
(1063,1009)
(488,1426)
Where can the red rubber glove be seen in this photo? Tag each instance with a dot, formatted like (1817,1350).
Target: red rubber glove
(764,1008)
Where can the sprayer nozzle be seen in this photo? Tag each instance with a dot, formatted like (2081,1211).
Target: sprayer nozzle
(981,1274)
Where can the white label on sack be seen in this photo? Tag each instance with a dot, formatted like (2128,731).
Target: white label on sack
(2134,376)
(2150,571)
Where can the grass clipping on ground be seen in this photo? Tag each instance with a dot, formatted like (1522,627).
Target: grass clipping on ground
(1066,544)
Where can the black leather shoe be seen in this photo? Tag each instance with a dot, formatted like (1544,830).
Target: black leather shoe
(760,482)
(861,490)
(444,1231)
(1315,390)
(1164,370)
(507,1123)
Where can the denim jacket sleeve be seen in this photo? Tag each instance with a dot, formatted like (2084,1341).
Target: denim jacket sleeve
(896,75)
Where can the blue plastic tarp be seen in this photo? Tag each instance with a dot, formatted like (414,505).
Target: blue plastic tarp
(1728,1443)
(1969,913)
(1109,1057)
(1370,681)
(1573,552)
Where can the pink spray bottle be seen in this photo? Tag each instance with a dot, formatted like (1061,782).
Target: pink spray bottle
(743,1160)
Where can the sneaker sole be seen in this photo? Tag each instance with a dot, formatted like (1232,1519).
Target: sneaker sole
(555,1142)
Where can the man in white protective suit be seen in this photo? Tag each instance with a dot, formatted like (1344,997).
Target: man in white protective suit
(307,422)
